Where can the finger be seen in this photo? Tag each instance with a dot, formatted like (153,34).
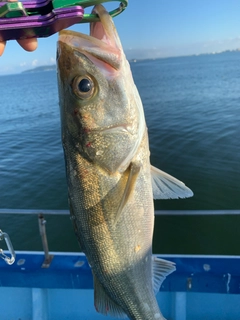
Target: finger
(28,44)
(2,46)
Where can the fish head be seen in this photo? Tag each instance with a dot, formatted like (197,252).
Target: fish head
(101,110)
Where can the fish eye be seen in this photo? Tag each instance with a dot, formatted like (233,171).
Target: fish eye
(83,87)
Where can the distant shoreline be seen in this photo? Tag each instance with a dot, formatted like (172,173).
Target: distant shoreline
(53,66)
(41,68)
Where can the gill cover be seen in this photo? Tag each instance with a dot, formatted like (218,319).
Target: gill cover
(100,104)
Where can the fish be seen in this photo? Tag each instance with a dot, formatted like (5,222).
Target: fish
(111,183)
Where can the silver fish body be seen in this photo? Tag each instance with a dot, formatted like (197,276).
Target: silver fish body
(109,175)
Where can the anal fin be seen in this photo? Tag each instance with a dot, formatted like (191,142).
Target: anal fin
(103,303)
(161,269)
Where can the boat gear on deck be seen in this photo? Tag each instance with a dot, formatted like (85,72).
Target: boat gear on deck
(42,229)
(8,260)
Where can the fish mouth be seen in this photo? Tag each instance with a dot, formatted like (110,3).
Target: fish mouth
(103,43)
(114,129)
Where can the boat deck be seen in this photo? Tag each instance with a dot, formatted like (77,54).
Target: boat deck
(203,287)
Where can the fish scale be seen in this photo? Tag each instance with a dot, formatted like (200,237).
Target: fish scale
(112,252)
(110,180)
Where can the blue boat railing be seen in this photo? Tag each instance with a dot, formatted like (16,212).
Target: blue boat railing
(42,226)
(202,287)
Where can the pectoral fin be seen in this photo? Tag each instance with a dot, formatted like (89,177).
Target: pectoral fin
(132,177)
(167,187)
(103,303)
(161,269)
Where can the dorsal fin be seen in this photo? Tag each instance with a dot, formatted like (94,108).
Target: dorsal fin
(103,303)
(166,186)
(161,269)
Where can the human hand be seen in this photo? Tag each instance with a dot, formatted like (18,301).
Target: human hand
(26,44)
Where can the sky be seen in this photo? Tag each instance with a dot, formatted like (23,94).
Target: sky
(150,29)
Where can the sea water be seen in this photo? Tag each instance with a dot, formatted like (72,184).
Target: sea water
(192,109)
